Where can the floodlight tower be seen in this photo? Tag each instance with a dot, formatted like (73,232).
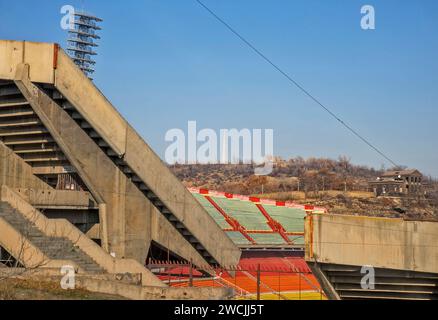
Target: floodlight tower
(81,41)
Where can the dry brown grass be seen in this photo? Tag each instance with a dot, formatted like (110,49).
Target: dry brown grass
(300,196)
(283,196)
(7,290)
(27,289)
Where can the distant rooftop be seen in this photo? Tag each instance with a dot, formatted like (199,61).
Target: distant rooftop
(406,172)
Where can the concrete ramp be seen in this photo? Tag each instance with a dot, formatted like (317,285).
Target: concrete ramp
(55,119)
(37,242)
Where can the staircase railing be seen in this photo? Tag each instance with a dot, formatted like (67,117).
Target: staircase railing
(64,229)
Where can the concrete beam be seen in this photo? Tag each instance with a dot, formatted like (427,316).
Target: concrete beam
(90,103)
(16,173)
(379,242)
(128,211)
(101,176)
(325,283)
(165,234)
(44,170)
(58,198)
(169,190)
(40,55)
(128,145)
(49,64)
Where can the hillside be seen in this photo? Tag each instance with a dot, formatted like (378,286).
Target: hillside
(337,185)
(295,174)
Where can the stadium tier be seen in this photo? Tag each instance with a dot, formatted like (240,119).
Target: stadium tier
(271,236)
(281,278)
(245,212)
(238,238)
(251,221)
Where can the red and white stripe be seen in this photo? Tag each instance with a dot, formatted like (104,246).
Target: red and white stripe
(287,204)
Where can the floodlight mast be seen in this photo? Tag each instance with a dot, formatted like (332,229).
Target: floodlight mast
(82,39)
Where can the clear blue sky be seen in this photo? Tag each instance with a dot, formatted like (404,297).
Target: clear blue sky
(163,63)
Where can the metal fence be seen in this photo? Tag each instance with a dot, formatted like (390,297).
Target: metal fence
(256,282)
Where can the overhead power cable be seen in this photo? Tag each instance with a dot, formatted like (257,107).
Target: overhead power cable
(295,83)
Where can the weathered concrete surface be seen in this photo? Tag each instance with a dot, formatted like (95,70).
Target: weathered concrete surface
(379,242)
(123,139)
(100,175)
(147,165)
(18,246)
(134,292)
(57,198)
(114,192)
(16,173)
(48,274)
(63,228)
(115,284)
(323,281)
(25,252)
(128,212)
(40,55)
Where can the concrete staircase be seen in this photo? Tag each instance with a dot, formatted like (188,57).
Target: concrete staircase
(345,281)
(53,247)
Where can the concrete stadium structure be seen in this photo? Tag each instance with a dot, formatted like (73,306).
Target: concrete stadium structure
(404,255)
(66,152)
(78,186)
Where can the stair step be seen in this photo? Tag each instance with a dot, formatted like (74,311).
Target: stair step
(54,248)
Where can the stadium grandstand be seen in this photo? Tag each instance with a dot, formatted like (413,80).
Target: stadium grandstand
(253,222)
(271,237)
(260,275)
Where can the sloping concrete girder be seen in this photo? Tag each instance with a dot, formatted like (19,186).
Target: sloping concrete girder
(128,234)
(172,198)
(50,65)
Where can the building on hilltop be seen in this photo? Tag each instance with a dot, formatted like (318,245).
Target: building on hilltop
(398,183)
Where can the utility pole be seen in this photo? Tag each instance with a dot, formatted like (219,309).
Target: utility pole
(191,274)
(258,282)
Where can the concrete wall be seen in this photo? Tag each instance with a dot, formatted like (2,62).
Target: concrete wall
(40,55)
(25,252)
(57,198)
(16,173)
(379,242)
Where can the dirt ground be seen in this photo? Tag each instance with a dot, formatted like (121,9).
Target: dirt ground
(19,289)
